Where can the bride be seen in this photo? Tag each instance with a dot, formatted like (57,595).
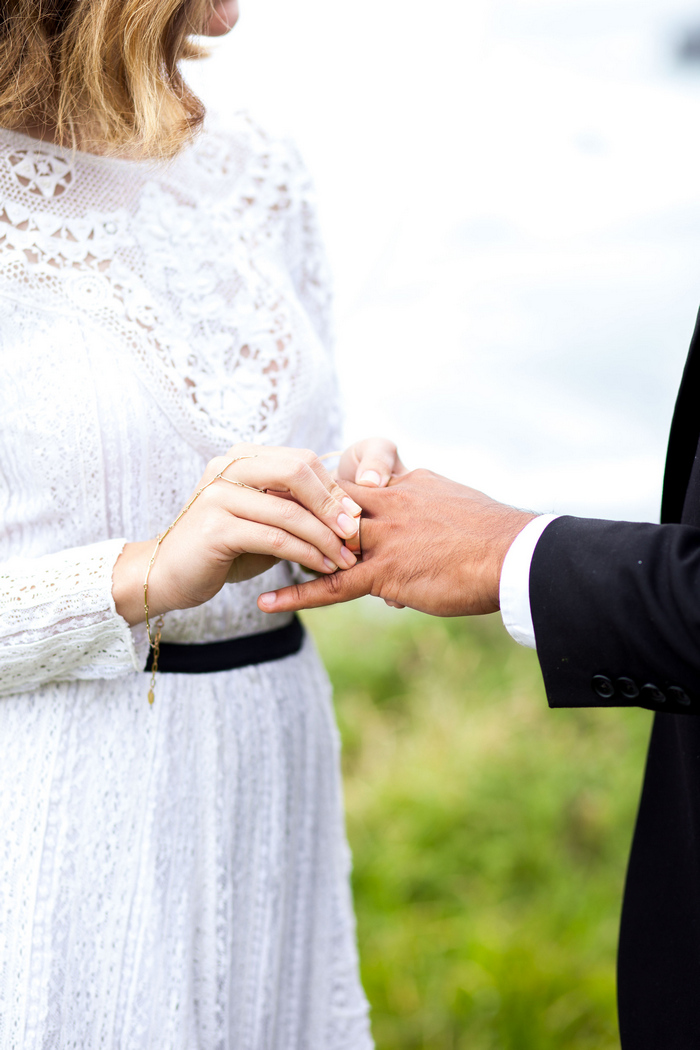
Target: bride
(172,875)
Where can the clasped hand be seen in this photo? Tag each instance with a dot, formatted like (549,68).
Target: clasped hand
(428,542)
(269,504)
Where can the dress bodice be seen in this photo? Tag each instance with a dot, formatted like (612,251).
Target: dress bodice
(151,316)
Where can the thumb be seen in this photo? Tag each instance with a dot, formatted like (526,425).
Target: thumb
(377,462)
(342,586)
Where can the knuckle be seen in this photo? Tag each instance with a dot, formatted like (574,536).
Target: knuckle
(299,471)
(329,505)
(337,583)
(276,539)
(210,498)
(288,511)
(241,448)
(382,446)
(400,497)
(215,466)
(333,582)
(309,457)
(203,505)
(329,539)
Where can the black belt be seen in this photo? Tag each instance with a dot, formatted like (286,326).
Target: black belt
(205,657)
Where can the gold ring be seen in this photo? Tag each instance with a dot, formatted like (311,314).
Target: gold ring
(354,544)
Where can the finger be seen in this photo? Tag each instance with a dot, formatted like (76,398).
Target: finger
(330,481)
(252,537)
(349,462)
(327,590)
(372,500)
(291,517)
(376,462)
(327,478)
(393,605)
(298,471)
(244,453)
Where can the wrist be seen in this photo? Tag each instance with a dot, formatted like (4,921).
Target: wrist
(512,524)
(127,583)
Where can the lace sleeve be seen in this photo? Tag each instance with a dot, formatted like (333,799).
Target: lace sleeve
(58,621)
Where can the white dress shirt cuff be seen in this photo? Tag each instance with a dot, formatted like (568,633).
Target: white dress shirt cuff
(515,581)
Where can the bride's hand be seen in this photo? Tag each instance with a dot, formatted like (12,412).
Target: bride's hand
(370,462)
(229,521)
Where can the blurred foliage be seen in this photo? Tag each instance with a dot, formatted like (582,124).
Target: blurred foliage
(489,833)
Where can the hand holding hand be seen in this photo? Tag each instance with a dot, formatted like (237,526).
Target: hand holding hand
(235,529)
(427,542)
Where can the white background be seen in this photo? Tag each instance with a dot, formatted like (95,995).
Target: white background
(510,193)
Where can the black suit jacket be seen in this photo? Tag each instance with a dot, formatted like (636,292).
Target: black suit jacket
(616,611)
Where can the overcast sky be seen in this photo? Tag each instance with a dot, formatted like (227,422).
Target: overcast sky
(510,192)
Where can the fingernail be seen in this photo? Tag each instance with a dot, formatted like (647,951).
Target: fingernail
(329,564)
(269,598)
(347,525)
(351,507)
(348,557)
(370,477)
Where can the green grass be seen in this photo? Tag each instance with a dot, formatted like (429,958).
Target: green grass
(489,834)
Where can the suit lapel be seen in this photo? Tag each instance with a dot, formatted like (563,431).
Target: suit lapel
(685,433)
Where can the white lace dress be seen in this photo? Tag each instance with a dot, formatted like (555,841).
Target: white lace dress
(176,876)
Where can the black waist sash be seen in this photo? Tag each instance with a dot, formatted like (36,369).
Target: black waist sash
(207,657)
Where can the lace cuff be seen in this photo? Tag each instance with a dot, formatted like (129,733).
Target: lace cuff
(58,621)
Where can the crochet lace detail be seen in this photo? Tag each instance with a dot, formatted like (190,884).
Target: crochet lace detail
(203,288)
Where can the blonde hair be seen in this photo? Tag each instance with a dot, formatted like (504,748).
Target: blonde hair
(102,75)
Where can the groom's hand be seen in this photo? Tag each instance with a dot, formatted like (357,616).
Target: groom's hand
(427,542)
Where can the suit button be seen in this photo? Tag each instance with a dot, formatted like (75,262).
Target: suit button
(652,694)
(603,686)
(627,688)
(679,695)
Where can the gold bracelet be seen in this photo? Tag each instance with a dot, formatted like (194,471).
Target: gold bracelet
(155,642)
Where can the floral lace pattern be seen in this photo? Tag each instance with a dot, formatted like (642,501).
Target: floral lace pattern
(201,286)
(174,877)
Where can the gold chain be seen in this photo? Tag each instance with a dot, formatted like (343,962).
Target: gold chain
(155,642)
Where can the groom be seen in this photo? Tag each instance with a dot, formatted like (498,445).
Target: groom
(613,609)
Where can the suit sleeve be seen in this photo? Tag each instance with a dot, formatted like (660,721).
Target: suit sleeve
(616,611)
